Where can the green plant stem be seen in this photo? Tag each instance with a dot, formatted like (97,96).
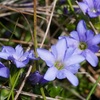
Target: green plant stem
(72,9)
(70,4)
(35,36)
(12,96)
(13,31)
(12,92)
(5,27)
(14,84)
(92,90)
(42,92)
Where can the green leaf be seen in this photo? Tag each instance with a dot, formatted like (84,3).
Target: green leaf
(54,91)
(97,25)
(4,94)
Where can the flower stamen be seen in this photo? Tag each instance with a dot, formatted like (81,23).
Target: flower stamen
(59,65)
(82,45)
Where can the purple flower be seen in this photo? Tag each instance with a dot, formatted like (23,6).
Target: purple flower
(62,1)
(4,71)
(90,7)
(17,55)
(65,10)
(36,78)
(61,61)
(85,42)
(31,55)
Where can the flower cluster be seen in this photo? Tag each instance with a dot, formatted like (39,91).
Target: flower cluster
(65,56)
(63,59)
(90,7)
(17,56)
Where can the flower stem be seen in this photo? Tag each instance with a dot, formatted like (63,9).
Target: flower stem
(35,36)
(70,4)
(14,84)
(42,92)
(35,25)
(92,90)
(72,9)
(13,31)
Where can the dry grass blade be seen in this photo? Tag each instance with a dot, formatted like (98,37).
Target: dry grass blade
(48,24)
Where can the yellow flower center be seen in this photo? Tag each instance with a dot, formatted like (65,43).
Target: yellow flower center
(82,45)
(59,65)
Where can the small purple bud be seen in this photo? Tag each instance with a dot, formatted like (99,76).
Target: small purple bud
(65,10)
(62,1)
(36,78)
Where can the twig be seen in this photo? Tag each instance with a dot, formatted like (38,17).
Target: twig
(93,88)
(35,28)
(92,27)
(28,11)
(48,24)
(88,75)
(23,83)
(20,41)
(71,90)
(98,54)
(28,93)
